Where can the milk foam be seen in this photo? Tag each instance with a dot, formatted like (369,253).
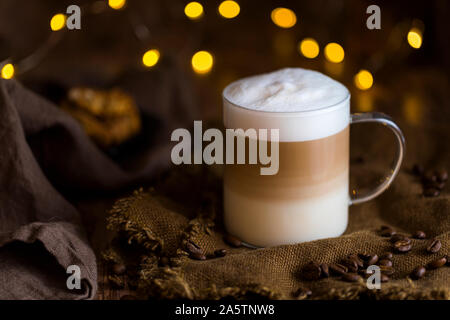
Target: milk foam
(303,104)
(286,90)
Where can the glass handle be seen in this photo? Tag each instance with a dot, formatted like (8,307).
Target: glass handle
(400,151)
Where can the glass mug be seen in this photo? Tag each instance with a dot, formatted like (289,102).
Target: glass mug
(308,198)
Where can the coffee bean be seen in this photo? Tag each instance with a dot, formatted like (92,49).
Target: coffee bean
(418,170)
(325,270)
(302,293)
(429,177)
(371,261)
(402,246)
(442,175)
(435,185)
(448,260)
(385,262)
(418,273)
(419,235)
(351,265)
(311,271)
(359,262)
(437,263)
(434,246)
(384,278)
(193,248)
(387,255)
(387,232)
(220,253)
(197,256)
(350,277)
(398,237)
(232,241)
(338,269)
(364,256)
(119,268)
(431,192)
(389,271)
(128,297)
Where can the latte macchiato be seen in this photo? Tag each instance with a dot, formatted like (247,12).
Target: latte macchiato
(308,198)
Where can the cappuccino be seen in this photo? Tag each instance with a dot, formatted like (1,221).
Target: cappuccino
(308,198)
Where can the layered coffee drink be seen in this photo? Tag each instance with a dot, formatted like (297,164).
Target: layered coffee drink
(307,198)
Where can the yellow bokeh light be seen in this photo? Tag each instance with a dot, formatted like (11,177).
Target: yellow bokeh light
(116,4)
(202,62)
(309,48)
(150,58)
(363,80)
(58,22)
(283,17)
(229,9)
(7,71)
(415,38)
(334,52)
(193,10)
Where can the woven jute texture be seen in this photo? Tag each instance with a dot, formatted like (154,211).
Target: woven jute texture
(186,206)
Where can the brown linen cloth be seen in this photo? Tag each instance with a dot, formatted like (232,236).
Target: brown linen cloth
(46,159)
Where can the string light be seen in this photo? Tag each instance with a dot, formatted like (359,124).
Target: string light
(7,71)
(309,48)
(116,4)
(334,52)
(229,9)
(415,38)
(202,62)
(58,22)
(283,17)
(150,58)
(193,10)
(363,80)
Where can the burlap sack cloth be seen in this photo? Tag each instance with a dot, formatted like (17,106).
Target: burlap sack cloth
(186,206)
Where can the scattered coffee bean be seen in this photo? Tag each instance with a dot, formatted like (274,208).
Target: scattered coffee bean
(119,268)
(350,277)
(398,237)
(359,262)
(128,297)
(442,175)
(338,269)
(431,192)
(197,256)
(384,278)
(418,169)
(232,241)
(434,246)
(193,248)
(429,177)
(364,256)
(419,235)
(437,263)
(302,293)
(402,246)
(389,271)
(387,255)
(351,265)
(418,273)
(387,232)
(311,271)
(385,262)
(325,270)
(220,253)
(373,260)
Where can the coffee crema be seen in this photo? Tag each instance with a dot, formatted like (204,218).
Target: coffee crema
(308,198)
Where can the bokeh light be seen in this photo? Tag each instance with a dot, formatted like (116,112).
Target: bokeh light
(202,62)
(415,38)
(7,71)
(229,9)
(363,80)
(283,17)
(309,48)
(334,52)
(193,10)
(150,58)
(58,22)
(116,4)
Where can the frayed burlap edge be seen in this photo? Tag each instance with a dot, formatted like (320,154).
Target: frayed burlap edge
(167,282)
